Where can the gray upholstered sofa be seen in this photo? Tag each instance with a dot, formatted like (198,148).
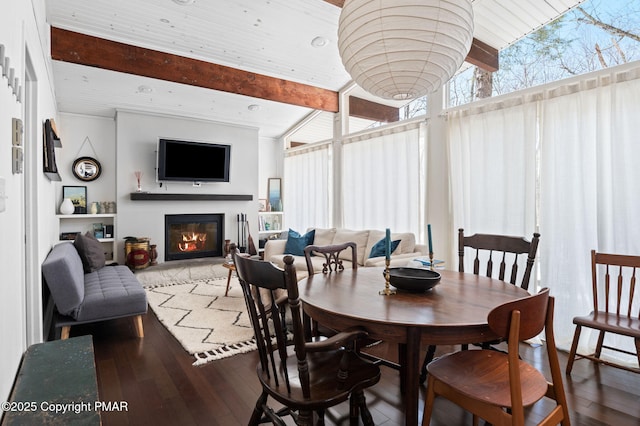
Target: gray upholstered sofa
(406,250)
(106,293)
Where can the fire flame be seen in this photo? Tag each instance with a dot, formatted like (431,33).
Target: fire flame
(192,241)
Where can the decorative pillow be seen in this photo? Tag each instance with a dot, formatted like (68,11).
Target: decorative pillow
(378,248)
(296,242)
(91,252)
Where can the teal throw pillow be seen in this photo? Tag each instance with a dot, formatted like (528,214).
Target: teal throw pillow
(378,248)
(296,242)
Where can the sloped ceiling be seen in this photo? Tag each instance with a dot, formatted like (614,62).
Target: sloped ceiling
(268,37)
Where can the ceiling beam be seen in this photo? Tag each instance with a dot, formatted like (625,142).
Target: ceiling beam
(481,54)
(368,110)
(96,52)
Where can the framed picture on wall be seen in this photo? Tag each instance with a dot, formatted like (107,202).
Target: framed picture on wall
(78,196)
(274,190)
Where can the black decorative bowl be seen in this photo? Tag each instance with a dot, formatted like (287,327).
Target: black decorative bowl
(415,280)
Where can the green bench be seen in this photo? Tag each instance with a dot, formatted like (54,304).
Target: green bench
(56,385)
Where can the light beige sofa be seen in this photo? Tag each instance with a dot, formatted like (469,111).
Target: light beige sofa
(407,250)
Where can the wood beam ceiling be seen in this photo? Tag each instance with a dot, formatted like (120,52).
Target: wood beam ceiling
(481,54)
(92,51)
(366,109)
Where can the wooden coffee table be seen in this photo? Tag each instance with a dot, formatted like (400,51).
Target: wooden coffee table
(231,267)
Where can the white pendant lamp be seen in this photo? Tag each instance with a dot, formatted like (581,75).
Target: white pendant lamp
(404,49)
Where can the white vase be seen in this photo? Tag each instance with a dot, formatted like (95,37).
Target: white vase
(66,207)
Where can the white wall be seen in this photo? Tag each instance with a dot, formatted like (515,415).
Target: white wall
(136,143)
(22,30)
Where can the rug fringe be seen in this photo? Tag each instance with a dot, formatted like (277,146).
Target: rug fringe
(224,352)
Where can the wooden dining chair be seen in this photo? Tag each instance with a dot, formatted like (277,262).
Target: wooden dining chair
(306,377)
(613,288)
(331,257)
(496,386)
(507,251)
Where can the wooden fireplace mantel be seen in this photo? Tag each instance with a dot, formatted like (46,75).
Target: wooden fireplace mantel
(162,196)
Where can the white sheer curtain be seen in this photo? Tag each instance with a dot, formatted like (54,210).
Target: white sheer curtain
(307,187)
(589,197)
(492,151)
(381,180)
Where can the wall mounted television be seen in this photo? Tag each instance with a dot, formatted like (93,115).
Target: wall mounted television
(189,161)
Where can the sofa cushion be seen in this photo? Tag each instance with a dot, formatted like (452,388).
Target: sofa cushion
(91,252)
(64,275)
(358,237)
(324,237)
(378,248)
(407,242)
(296,242)
(111,292)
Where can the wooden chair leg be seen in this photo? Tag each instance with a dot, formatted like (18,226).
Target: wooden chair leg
(64,333)
(137,323)
(637,340)
(428,402)
(599,344)
(431,351)
(574,347)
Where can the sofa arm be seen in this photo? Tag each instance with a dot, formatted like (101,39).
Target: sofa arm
(274,248)
(423,249)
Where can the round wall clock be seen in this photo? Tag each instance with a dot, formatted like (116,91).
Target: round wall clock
(86,168)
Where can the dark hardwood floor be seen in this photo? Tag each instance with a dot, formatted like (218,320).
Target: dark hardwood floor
(155,377)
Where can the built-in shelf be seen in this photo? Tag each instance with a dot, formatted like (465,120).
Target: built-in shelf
(160,196)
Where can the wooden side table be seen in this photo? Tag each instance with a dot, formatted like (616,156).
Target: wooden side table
(231,267)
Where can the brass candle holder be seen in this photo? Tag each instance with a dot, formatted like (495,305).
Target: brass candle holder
(431,260)
(387,291)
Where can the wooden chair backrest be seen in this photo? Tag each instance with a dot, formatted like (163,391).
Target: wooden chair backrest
(618,297)
(520,320)
(532,311)
(332,255)
(504,245)
(260,282)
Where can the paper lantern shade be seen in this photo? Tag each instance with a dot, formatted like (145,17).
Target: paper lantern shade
(404,49)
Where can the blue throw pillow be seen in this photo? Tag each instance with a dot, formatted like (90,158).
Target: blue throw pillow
(296,242)
(378,248)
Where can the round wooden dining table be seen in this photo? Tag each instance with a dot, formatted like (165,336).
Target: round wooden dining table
(453,312)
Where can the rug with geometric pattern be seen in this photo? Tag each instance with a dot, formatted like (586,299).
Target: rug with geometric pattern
(207,324)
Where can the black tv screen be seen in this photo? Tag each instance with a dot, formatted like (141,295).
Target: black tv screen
(193,161)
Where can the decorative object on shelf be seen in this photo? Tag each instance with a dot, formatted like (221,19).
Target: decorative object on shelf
(404,49)
(78,196)
(153,254)
(66,207)
(262,204)
(138,175)
(98,230)
(275,193)
(95,208)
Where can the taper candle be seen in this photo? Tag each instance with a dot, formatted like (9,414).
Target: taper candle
(387,244)
(429,236)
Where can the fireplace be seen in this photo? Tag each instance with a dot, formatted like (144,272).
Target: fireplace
(192,236)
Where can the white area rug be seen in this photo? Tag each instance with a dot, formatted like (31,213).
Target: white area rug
(209,325)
